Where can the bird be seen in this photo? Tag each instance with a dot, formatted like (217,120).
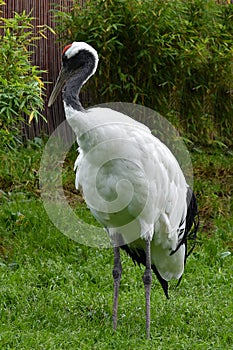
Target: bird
(130,180)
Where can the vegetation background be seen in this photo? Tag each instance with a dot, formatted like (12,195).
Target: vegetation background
(172,56)
(56,293)
(21,88)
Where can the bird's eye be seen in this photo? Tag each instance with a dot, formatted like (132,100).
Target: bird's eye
(64,58)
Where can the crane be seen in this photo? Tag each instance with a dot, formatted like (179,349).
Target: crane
(130,180)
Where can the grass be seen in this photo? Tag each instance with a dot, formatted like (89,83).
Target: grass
(57,294)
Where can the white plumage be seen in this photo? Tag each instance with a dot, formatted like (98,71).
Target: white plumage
(148,165)
(130,180)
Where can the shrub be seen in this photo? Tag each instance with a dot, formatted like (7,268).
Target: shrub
(21,89)
(172,56)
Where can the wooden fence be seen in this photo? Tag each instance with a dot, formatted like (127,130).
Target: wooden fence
(46,55)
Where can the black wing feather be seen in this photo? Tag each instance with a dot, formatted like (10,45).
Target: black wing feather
(191,224)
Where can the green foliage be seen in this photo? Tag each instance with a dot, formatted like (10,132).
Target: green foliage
(21,89)
(172,56)
(19,169)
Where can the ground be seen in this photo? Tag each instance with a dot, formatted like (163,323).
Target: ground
(57,294)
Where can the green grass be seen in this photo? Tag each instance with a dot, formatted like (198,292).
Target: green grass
(57,294)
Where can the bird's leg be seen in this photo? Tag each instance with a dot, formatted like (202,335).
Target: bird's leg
(116,272)
(147,279)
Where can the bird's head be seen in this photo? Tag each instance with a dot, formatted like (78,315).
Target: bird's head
(78,56)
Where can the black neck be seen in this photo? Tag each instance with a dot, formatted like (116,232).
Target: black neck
(75,83)
(71,92)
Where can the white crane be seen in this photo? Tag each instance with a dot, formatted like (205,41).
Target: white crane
(161,213)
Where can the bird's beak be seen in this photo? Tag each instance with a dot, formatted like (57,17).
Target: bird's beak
(62,77)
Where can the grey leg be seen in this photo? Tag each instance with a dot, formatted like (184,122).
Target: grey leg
(147,279)
(116,272)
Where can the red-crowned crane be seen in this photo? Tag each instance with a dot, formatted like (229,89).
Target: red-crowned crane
(154,226)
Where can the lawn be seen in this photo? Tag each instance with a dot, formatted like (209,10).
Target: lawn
(57,294)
